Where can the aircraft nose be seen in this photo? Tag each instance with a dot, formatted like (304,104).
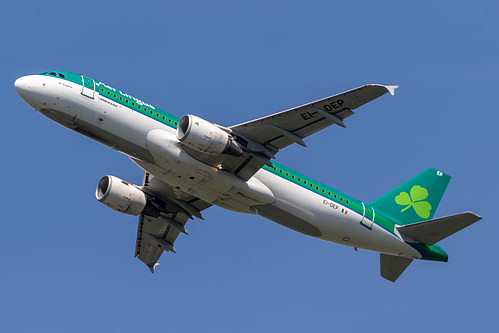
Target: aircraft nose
(23,86)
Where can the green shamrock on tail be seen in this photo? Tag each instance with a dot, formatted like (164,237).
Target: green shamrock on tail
(418,194)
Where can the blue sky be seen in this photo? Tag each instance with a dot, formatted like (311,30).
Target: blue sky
(68,260)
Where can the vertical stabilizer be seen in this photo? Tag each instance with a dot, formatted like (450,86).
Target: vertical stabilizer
(415,200)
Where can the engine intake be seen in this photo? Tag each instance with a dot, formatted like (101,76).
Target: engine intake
(120,195)
(199,134)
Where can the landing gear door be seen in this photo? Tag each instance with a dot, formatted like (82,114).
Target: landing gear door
(88,87)
(368,217)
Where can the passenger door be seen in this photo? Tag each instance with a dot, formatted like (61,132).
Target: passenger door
(88,87)
(368,217)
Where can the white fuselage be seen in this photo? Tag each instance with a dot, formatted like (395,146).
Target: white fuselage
(154,146)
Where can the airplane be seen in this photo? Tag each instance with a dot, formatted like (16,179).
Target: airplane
(191,164)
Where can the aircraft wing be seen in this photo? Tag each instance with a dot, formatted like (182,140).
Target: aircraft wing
(262,138)
(281,129)
(157,234)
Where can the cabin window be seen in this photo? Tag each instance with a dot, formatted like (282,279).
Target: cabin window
(328,193)
(305,182)
(139,106)
(347,202)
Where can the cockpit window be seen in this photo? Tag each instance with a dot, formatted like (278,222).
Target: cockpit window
(52,73)
(62,76)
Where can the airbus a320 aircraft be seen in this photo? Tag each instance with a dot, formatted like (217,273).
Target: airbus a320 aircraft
(191,164)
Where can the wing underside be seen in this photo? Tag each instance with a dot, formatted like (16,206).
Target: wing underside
(262,138)
(279,130)
(158,234)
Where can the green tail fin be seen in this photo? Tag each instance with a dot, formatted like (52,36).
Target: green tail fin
(415,200)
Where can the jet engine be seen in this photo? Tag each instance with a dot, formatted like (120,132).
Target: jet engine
(206,137)
(121,196)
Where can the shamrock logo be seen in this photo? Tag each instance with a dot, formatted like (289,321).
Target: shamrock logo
(415,200)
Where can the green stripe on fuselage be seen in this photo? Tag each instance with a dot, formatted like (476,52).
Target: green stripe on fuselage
(122,98)
(328,192)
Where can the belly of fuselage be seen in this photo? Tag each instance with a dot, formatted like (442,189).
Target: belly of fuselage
(128,132)
(304,211)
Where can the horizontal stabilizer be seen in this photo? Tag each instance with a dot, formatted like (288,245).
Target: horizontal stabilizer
(433,231)
(391,267)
